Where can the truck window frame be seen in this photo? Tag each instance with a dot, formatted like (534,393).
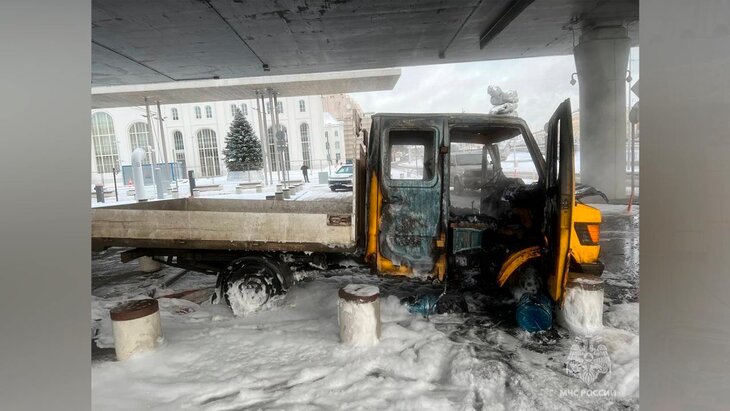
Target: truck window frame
(387,159)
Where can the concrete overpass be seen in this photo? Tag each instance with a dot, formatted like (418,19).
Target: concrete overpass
(138,42)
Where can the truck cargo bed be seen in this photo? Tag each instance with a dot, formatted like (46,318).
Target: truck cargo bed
(227,224)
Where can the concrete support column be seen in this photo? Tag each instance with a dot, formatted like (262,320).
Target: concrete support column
(601,59)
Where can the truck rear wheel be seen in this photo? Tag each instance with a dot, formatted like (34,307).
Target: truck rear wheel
(251,283)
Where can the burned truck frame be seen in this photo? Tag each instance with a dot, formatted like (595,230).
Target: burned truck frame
(405,218)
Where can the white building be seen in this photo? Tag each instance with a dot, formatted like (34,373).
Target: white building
(334,139)
(195,134)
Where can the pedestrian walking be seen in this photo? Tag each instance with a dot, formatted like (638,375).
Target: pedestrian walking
(305,173)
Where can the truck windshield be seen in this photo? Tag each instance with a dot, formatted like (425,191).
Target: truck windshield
(344,170)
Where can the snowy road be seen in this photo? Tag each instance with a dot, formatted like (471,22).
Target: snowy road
(290,357)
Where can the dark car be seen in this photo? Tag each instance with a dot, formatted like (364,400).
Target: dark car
(342,178)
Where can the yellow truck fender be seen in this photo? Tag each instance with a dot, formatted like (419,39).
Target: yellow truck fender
(515,260)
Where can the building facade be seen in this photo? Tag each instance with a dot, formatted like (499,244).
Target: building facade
(345,109)
(195,134)
(334,139)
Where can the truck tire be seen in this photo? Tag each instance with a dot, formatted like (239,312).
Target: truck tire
(253,281)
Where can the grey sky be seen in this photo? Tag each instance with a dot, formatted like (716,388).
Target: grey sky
(541,83)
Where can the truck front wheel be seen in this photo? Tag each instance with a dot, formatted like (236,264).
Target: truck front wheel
(249,284)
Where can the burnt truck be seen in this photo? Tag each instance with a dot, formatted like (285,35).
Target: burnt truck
(412,224)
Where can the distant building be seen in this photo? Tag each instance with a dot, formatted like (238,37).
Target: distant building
(334,139)
(195,134)
(345,109)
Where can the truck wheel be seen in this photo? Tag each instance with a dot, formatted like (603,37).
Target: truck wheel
(333,188)
(250,283)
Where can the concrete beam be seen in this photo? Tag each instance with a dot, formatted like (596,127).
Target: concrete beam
(194,91)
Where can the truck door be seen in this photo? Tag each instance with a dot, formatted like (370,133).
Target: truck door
(412,176)
(560,197)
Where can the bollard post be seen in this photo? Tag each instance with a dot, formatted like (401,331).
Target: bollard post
(99,189)
(358,314)
(136,327)
(159,183)
(116,192)
(582,309)
(191,180)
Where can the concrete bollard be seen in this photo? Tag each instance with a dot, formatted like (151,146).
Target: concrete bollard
(136,327)
(582,309)
(287,193)
(259,188)
(239,190)
(279,195)
(148,265)
(279,187)
(359,314)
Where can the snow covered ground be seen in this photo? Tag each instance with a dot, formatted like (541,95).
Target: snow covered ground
(289,357)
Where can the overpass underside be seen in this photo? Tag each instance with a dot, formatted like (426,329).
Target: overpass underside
(138,42)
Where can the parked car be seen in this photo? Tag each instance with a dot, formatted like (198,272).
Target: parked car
(466,171)
(342,178)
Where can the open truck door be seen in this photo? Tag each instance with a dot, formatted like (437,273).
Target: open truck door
(412,237)
(559,198)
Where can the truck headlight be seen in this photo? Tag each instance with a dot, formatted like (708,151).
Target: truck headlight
(588,233)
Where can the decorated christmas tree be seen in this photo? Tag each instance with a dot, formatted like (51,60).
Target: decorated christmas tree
(243,148)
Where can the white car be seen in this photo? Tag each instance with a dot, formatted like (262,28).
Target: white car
(342,178)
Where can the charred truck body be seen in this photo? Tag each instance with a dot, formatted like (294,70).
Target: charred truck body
(406,217)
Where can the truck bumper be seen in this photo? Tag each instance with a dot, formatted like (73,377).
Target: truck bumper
(589,268)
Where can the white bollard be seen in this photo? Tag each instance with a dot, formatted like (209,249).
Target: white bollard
(136,327)
(259,188)
(239,190)
(359,314)
(582,310)
(148,265)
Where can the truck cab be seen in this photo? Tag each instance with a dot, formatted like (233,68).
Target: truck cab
(426,218)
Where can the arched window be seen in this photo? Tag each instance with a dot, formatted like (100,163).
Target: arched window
(139,137)
(244,109)
(234,109)
(198,112)
(105,142)
(306,149)
(208,112)
(336,133)
(175,115)
(279,107)
(208,151)
(302,106)
(283,146)
(179,148)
